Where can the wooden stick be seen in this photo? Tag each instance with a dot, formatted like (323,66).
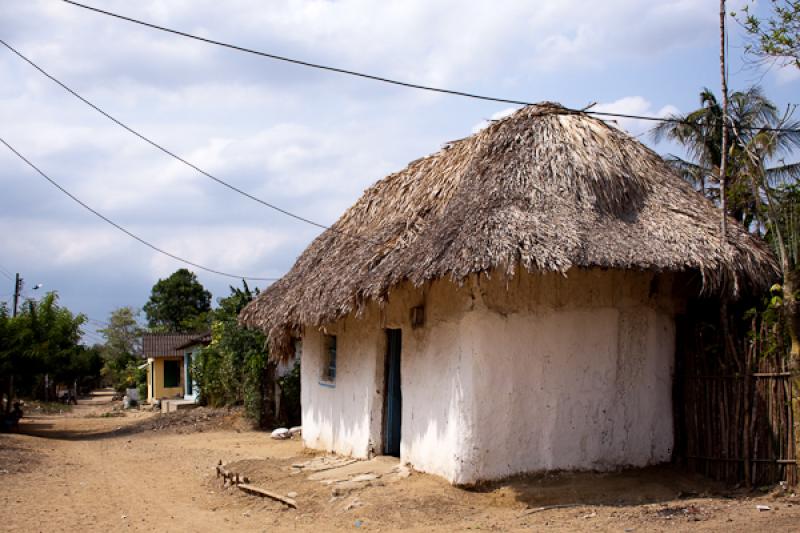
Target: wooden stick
(532,510)
(258,491)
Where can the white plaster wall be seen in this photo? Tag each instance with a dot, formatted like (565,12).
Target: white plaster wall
(507,375)
(336,416)
(348,418)
(571,373)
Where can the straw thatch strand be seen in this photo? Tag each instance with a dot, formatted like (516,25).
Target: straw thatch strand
(543,189)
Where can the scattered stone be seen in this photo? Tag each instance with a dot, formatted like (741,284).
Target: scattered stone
(403,472)
(280,434)
(292,494)
(353,504)
(345,488)
(763,507)
(365,477)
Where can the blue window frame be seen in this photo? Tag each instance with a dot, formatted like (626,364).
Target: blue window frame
(329,362)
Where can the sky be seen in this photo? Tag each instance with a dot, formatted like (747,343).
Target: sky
(305,140)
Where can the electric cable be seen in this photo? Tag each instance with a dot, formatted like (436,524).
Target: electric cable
(176,156)
(122,229)
(382,79)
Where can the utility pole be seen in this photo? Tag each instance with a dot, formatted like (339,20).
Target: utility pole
(17,290)
(10,382)
(723,164)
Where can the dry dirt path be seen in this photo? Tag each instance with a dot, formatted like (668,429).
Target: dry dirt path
(79,475)
(142,472)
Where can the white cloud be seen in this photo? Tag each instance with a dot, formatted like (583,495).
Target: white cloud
(306,140)
(444,42)
(634,105)
(496,116)
(239,250)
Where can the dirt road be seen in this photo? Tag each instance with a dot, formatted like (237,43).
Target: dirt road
(89,471)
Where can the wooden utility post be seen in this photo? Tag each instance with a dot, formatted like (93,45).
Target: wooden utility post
(723,164)
(17,290)
(728,344)
(10,382)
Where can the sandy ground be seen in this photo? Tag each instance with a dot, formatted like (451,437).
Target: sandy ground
(88,471)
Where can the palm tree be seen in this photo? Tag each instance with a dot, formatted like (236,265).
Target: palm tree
(699,133)
(774,194)
(760,195)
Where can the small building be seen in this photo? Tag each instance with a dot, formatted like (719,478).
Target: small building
(191,349)
(169,357)
(507,304)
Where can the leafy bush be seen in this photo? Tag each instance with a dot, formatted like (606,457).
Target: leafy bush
(235,368)
(290,396)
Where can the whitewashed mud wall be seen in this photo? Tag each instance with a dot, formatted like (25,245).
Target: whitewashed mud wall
(507,376)
(336,416)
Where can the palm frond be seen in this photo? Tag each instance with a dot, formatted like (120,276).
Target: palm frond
(783,175)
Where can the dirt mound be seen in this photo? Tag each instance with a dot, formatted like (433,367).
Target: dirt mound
(196,420)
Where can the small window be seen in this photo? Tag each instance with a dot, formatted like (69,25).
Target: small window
(329,358)
(172,374)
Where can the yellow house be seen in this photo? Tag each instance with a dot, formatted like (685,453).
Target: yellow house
(168,365)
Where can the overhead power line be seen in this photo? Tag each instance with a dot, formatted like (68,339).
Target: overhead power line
(176,156)
(383,79)
(156,145)
(122,229)
(6,274)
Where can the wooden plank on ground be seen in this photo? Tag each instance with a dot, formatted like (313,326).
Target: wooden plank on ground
(258,491)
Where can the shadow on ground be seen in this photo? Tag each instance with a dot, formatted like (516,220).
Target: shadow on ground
(633,486)
(16,457)
(114,424)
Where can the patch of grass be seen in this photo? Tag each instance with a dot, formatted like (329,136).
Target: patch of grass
(47,408)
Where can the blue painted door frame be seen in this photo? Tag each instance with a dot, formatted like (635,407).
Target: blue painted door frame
(187,367)
(394,395)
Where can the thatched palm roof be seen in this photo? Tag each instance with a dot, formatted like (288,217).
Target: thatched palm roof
(544,189)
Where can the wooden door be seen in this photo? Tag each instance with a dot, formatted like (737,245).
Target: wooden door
(394,396)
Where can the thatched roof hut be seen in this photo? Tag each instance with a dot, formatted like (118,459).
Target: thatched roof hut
(544,189)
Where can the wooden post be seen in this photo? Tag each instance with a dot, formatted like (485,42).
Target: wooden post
(723,164)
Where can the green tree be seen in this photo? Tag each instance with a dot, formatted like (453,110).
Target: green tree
(776,36)
(763,194)
(85,367)
(235,367)
(43,339)
(774,193)
(178,304)
(699,132)
(122,350)
(123,334)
